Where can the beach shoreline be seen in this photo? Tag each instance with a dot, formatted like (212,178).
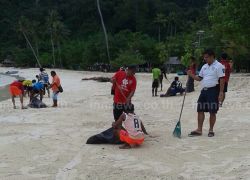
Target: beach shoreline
(4,89)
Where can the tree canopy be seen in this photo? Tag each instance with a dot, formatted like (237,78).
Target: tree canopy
(70,34)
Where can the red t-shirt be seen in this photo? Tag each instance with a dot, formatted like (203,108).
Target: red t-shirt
(127,85)
(18,84)
(228,69)
(193,69)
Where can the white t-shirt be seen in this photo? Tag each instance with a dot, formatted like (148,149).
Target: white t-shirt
(210,74)
(132,124)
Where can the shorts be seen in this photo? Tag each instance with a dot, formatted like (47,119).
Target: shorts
(208,100)
(124,137)
(45,86)
(225,87)
(15,91)
(35,91)
(155,83)
(118,110)
(55,95)
(28,88)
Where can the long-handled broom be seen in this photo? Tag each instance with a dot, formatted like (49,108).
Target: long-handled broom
(177,129)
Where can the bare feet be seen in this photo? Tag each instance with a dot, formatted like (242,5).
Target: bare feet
(125,146)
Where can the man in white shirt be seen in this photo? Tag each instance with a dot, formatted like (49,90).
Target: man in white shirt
(212,81)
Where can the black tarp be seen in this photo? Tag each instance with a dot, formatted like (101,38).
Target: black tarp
(105,137)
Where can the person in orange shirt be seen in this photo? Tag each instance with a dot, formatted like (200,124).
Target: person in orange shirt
(16,89)
(55,87)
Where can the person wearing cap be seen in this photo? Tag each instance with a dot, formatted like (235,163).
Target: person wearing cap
(44,79)
(212,81)
(125,86)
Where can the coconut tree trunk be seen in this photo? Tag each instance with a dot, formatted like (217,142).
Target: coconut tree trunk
(171,31)
(175,30)
(104,28)
(159,33)
(59,53)
(32,49)
(53,49)
(168,32)
(37,49)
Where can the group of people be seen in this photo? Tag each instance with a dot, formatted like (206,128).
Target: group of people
(214,77)
(36,87)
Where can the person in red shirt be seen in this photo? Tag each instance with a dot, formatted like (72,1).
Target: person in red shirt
(16,89)
(125,86)
(192,68)
(113,85)
(226,63)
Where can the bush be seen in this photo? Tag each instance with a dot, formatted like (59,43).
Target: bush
(127,58)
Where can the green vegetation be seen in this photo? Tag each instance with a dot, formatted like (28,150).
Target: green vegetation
(70,34)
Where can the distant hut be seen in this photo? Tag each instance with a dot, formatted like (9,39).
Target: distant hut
(174,65)
(8,63)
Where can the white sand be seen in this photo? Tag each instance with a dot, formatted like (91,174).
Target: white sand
(50,143)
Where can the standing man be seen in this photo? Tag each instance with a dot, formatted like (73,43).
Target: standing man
(192,68)
(163,73)
(125,86)
(156,79)
(225,62)
(16,89)
(55,87)
(44,78)
(212,81)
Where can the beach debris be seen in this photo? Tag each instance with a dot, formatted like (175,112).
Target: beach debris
(99,79)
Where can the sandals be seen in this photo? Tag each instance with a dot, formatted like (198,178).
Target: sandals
(194,133)
(210,134)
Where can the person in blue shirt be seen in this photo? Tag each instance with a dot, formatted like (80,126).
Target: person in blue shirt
(37,89)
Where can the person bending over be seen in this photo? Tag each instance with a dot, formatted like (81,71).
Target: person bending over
(132,132)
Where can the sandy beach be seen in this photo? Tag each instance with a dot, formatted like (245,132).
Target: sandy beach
(46,144)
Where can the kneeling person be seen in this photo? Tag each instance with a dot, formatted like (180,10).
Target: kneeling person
(37,89)
(176,87)
(132,134)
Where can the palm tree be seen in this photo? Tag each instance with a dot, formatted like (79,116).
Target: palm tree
(57,32)
(51,21)
(24,25)
(172,18)
(161,21)
(103,27)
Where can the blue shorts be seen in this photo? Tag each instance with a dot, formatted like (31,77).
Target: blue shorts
(208,100)
(55,95)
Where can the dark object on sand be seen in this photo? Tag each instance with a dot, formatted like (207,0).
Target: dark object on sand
(11,72)
(99,79)
(36,103)
(105,137)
